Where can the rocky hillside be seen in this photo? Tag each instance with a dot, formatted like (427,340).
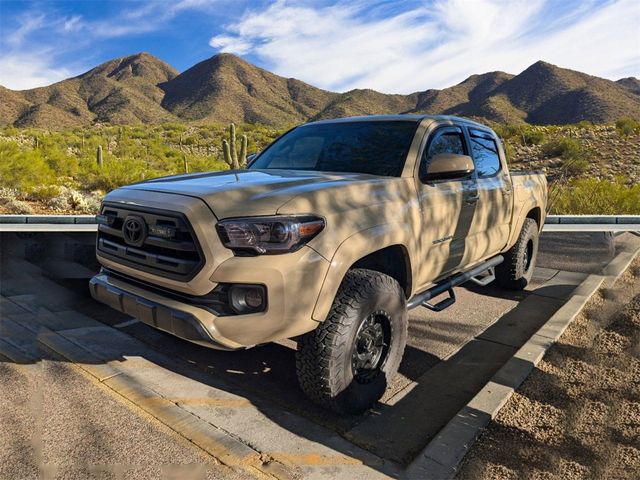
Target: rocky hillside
(227,89)
(602,153)
(143,89)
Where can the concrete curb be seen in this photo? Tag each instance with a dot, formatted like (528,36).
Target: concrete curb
(441,458)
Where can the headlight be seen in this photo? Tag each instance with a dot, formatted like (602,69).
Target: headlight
(269,235)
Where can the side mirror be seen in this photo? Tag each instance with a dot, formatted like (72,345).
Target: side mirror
(449,166)
(250,158)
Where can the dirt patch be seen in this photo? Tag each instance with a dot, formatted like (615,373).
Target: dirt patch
(578,414)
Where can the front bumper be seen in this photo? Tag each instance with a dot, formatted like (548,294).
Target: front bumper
(293,282)
(170,319)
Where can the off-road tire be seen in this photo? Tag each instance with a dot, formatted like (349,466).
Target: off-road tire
(324,357)
(519,262)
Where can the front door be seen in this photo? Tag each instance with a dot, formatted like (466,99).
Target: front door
(447,209)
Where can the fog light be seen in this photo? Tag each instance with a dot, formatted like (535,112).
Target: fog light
(248,298)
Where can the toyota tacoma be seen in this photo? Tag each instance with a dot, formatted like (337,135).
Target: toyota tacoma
(329,236)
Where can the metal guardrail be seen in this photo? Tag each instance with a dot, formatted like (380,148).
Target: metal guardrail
(592,223)
(87,223)
(48,223)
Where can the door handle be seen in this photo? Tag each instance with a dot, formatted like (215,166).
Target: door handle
(506,192)
(472,199)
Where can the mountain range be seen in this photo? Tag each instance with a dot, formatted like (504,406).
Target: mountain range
(224,88)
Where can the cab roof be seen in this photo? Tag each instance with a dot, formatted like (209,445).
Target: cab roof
(399,118)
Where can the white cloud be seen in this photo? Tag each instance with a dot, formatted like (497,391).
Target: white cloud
(72,23)
(27,59)
(21,71)
(438,44)
(26,25)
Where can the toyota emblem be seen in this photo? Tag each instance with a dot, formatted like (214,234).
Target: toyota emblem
(134,230)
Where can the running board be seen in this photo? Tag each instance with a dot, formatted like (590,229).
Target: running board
(485,279)
(422,298)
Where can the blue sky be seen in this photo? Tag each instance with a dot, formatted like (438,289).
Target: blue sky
(391,46)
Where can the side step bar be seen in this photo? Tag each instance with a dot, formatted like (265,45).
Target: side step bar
(422,298)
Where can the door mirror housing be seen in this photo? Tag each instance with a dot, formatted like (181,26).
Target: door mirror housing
(250,158)
(449,166)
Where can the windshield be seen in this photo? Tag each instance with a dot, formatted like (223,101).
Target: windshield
(374,147)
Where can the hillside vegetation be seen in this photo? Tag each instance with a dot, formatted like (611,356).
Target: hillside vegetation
(224,88)
(45,171)
(590,168)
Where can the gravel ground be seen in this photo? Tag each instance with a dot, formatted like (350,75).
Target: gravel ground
(578,414)
(58,424)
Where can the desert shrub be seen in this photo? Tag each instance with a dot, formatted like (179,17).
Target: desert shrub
(206,164)
(58,203)
(533,137)
(585,124)
(509,152)
(16,207)
(23,169)
(566,148)
(521,133)
(43,193)
(507,131)
(10,131)
(576,166)
(627,126)
(114,173)
(61,163)
(592,196)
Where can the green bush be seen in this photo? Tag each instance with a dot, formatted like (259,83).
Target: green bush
(44,192)
(566,148)
(521,133)
(592,196)
(509,152)
(627,126)
(114,173)
(576,166)
(23,169)
(532,137)
(131,154)
(585,124)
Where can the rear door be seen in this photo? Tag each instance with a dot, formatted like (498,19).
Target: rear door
(447,207)
(489,232)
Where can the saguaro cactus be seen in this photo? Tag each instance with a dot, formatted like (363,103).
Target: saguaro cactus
(234,158)
(186,164)
(99,156)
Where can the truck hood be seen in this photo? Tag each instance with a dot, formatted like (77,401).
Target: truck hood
(252,192)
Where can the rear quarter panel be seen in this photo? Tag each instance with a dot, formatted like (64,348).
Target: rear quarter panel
(530,191)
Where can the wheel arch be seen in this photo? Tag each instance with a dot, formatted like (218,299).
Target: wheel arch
(393,261)
(535,214)
(383,248)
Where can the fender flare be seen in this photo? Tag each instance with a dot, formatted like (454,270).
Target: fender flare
(353,249)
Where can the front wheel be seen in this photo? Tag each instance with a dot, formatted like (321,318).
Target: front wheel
(347,362)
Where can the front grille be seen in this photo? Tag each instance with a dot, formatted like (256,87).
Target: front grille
(179,257)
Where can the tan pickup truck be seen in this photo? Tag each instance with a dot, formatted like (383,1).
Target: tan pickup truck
(330,236)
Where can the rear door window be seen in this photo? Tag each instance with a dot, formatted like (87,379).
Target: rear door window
(485,153)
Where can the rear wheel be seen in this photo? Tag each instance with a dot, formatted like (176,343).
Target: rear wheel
(519,262)
(347,362)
